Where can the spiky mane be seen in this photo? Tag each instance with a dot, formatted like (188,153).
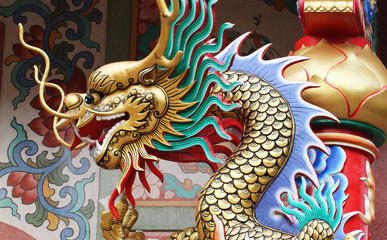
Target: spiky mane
(191,82)
(174,95)
(134,153)
(185,128)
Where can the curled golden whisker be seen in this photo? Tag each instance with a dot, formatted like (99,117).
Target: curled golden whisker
(43,84)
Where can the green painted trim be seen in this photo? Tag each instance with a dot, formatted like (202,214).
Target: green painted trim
(377,135)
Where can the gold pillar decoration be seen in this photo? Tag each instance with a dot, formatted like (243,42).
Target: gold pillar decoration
(352,81)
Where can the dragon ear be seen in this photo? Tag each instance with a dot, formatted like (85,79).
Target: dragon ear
(148,75)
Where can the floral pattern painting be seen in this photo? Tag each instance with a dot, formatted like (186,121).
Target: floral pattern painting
(44,186)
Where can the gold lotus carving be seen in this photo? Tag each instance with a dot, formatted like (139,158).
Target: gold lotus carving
(352,81)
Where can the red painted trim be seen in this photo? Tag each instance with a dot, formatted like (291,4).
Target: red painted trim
(342,130)
(354,169)
(325,23)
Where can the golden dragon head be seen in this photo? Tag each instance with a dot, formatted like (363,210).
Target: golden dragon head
(133,110)
(126,106)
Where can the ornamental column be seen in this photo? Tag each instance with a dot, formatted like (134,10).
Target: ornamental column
(353,83)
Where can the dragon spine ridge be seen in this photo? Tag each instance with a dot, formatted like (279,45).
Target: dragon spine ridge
(236,188)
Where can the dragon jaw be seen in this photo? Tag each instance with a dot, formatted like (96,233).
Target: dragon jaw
(120,125)
(154,70)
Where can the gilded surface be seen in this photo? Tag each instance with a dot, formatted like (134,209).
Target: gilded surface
(137,100)
(316,228)
(247,173)
(352,81)
(316,6)
(120,230)
(140,101)
(145,113)
(234,190)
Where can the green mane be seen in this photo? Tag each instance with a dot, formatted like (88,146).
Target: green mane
(191,34)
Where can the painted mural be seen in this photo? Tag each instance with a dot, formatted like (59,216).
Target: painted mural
(47,191)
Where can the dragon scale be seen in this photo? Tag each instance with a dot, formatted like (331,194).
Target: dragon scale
(266,143)
(234,190)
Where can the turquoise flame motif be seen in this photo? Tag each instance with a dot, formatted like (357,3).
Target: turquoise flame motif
(327,210)
(191,35)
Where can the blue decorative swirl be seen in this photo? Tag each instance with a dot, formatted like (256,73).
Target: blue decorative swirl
(328,168)
(20,147)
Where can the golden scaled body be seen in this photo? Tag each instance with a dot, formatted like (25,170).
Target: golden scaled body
(317,230)
(234,190)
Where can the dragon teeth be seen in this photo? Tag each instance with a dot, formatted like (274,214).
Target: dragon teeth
(111,130)
(98,147)
(88,140)
(96,152)
(76,130)
(110,117)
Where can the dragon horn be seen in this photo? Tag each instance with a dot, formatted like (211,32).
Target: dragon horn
(166,19)
(42,83)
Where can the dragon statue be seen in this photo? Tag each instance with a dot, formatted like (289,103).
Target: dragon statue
(183,102)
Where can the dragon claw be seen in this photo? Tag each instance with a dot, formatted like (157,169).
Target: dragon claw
(120,229)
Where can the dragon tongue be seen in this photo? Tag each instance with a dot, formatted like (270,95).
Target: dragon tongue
(97,150)
(89,141)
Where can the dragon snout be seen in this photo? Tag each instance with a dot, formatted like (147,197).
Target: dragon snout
(73,100)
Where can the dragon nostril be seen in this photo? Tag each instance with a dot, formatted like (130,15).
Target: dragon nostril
(72,100)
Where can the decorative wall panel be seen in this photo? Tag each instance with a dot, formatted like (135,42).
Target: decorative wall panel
(46,191)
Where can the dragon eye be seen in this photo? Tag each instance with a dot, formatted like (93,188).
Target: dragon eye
(92,98)
(89,99)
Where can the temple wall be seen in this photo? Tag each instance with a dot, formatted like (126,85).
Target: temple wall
(46,191)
